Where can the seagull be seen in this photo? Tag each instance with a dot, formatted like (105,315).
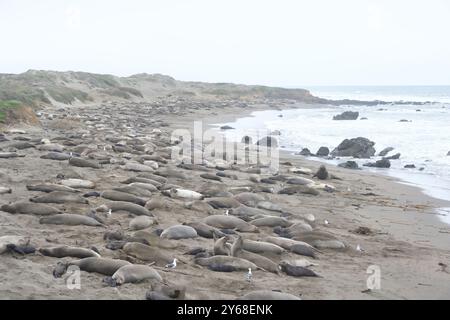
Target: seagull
(358,248)
(226,212)
(326,221)
(110,212)
(172,265)
(248,276)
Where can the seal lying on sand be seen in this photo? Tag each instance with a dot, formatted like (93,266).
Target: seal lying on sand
(68,251)
(103,266)
(12,240)
(129,207)
(221,248)
(225,263)
(80,162)
(23,207)
(271,222)
(179,232)
(249,199)
(78,183)
(59,197)
(295,246)
(122,196)
(262,247)
(58,156)
(4,190)
(262,262)
(223,202)
(70,220)
(204,230)
(268,295)
(147,253)
(320,240)
(296,271)
(49,187)
(141,222)
(132,274)
(229,222)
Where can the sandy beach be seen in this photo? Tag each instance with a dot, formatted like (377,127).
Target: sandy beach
(404,237)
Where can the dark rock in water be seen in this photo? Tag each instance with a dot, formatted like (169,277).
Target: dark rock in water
(421,168)
(323,152)
(246,140)
(384,163)
(448,153)
(356,147)
(268,142)
(409,166)
(349,165)
(363,118)
(385,151)
(322,173)
(226,128)
(394,157)
(347,115)
(304,152)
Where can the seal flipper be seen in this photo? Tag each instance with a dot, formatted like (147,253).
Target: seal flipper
(110,281)
(60,269)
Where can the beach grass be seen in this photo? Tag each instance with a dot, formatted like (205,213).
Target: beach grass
(6,105)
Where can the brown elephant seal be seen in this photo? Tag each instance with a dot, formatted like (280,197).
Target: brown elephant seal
(5,190)
(268,295)
(298,247)
(204,230)
(23,207)
(59,197)
(146,186)
(133,273)
(296,271)
(129,207)
(103,266)
(223,202)
(221,248)
(262,247)
(320,240)
(70,220)
(68,251)
(83,163)
(141,222)
(160,291)
(122,196)
(138,192)
(249,199)
(271,222)
(264,263)
(322,173)
(8,155)
(147,253)
(78,183)
(299,189)
(168,172)
(201,206)
(12,240)
(245,212)
(58,156)
(225,263)
(294,230)
(229,222)
(157,203)
(178,232)
(161,180)
(267,205)
(49,187)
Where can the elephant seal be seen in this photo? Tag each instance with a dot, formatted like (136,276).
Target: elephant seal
(245,212)
(8,155)
(294,230)
(225,263)
(267,205)
(168,172)
(4,190)
(122,196)
(70,220)
(262,247)
(133,273)
(320,240)
(146,186)
(296,271)
(229,222)
(271,222)
(147,253)
(136,191)
(249,199)
(78,183)
(103,266)
(59,197)
(161,180)
(83,163)
(178,232)
(264,263)
(223,202)
(137,167)
(58,156)
(268,295)
(185,194)
(322,173)
(295,246)
(300,181)
(141,222)
(12,240)
(129,207)
(210,176)
(221,248)
(49,187)
(68,251)
(299,189)
(23,207)
(204,230)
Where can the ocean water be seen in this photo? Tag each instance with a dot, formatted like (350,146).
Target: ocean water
(423,141)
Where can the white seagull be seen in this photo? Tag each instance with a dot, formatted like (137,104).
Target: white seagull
(110,212)
(226,212)
(326,221)
(249,275)
(172,265)
(358,248)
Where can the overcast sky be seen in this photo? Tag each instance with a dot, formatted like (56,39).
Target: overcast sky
(278,42)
